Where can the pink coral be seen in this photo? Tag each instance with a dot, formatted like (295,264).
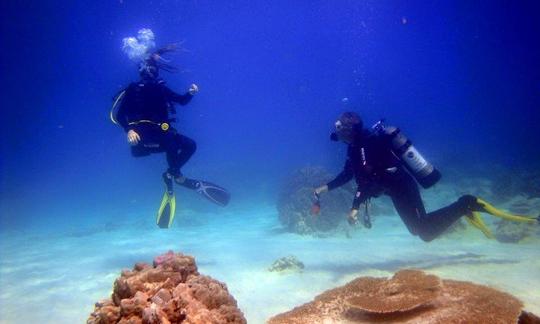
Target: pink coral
(170,291)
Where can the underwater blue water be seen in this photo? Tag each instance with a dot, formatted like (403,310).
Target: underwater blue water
(460,78)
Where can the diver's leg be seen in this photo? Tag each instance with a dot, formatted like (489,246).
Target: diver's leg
(142,149)
(408,203)
(187,148)
(179,150)
(443,218)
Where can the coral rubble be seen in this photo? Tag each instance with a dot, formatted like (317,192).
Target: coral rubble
(286,264)
(410,296)
(169,291)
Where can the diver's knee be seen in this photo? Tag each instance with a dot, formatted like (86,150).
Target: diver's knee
(426,236)
(191,146)
(186,145)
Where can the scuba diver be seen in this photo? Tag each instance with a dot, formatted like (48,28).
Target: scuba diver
(144,110)
(383,161)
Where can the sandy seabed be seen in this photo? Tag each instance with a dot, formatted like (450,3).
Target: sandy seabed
(57,278)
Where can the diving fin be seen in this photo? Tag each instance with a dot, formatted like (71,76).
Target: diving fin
(166,211)
(474,218)
(216,194)
(475,206)
(208,190)
(167,207)
(488,208)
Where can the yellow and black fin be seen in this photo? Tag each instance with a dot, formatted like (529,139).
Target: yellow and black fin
(167,207)
(488,208)
(166,211)
(476,220)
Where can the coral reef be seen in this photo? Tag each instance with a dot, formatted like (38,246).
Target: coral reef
(406,291)
(170,291)
(295,201)
(410,296)
(289,264)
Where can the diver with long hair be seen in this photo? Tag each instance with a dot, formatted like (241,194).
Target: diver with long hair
(145,111)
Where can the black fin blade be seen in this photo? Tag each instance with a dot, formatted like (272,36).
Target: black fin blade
(215,193)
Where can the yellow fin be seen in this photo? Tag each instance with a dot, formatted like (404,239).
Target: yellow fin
(504,215)
(476,220)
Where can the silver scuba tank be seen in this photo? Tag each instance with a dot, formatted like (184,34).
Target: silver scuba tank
(423,171)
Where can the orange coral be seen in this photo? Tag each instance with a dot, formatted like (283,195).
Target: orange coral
(171,291)
(411,296)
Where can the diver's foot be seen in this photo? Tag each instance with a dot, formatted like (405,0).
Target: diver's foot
(177,177)
(180,180)
(190,183)
(168,179)
(471,204)
(185,182)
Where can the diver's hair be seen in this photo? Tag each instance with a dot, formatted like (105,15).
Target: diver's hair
(352,120)
(160,61)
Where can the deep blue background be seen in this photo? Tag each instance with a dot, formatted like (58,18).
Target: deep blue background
(461,78)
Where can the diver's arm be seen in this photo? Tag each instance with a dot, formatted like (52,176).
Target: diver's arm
(122,120)
(360,197)
(125,112)
(122,117)
(345,176)
(133,137)
(178,98)
(181,99)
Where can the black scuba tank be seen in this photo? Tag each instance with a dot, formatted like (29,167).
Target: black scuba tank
(423,171)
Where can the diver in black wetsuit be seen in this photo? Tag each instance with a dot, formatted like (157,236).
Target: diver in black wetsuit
(377,170)
(144,113)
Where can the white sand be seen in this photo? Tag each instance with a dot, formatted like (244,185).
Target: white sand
(57,278)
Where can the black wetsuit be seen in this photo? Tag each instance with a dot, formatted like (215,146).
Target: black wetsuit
(378,171)
(145,108)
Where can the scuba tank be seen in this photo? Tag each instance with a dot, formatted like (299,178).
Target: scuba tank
(423,171)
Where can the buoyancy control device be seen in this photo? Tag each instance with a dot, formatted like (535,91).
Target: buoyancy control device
(423,171)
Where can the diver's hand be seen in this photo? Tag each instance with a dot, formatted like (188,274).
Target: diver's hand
(193,89)
(352,218)
(133,137)
(321,189)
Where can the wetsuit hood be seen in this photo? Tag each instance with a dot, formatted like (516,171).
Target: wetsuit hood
(349,127)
